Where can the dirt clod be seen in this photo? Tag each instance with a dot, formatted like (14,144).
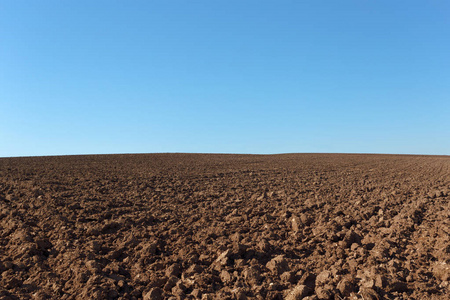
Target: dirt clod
(154,294)
(297,293)
(278,265)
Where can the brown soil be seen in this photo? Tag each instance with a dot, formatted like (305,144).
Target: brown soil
(196,226)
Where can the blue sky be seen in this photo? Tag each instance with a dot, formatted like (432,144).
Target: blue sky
(82,77)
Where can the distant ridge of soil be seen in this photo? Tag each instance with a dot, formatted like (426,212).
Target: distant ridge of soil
(223,226)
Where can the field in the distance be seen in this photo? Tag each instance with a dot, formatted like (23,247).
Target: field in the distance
(199,226)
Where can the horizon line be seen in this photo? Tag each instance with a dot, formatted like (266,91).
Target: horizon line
(220,153)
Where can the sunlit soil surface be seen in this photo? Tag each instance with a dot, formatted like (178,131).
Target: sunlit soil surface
(197,226)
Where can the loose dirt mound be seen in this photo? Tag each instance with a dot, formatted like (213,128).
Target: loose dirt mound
(191,226)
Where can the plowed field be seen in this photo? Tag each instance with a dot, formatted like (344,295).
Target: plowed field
(199,226)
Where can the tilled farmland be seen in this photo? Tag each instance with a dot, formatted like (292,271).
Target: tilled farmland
(210,226)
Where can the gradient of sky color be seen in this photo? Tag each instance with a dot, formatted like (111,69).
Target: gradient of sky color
(86,77)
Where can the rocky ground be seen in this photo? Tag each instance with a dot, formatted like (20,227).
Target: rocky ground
(196,226)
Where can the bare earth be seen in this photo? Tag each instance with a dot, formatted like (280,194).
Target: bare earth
(198,226)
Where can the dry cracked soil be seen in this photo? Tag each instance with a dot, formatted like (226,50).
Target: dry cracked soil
(213,226)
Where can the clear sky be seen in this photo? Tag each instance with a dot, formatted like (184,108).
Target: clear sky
(82,77)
